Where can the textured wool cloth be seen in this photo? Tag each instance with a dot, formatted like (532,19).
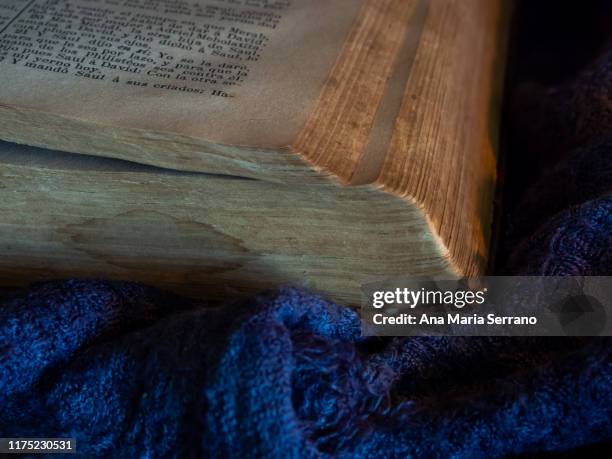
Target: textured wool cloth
(133,372)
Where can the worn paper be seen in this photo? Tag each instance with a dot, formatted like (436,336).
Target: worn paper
(239,72)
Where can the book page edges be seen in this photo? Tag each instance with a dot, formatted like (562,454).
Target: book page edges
(341,124)
(443,153)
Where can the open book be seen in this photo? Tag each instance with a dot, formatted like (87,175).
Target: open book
(326,142)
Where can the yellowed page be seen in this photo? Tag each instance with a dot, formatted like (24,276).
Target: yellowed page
(238,72)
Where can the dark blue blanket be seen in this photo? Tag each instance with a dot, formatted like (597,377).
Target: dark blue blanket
(130,372)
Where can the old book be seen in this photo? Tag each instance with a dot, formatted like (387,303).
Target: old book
(325,143)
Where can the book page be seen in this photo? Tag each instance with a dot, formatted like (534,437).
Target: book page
(238,72)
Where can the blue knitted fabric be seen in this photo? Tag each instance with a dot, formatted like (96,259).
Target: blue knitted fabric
(130,372)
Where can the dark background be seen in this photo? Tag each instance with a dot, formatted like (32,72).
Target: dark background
(551,42)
